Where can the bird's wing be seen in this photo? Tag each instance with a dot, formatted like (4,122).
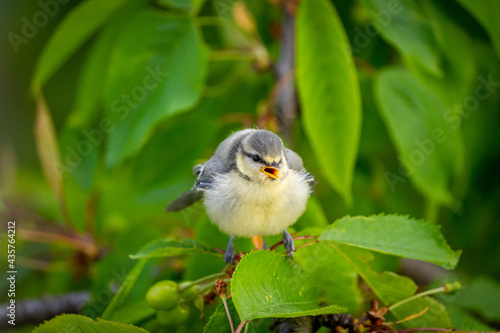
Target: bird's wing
(185,200)
(219,163)
(293,160)
(295,163)
(205,174)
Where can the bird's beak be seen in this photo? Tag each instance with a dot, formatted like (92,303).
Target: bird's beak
(272,171)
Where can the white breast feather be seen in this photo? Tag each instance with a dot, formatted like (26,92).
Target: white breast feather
(243,208)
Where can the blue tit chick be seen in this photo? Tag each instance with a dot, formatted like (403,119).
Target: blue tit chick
(251,186)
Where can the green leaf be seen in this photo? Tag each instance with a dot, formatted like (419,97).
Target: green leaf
(463,320)
(81,324)
(134,313)
(387,286)
(71,34)
(395,235)
(391,288)
(148,80)
(91,82)
(328,268)
(267,284)
(187,5)
(125,289)
(329,93)
(430,150)
(219,323)
(486,12)
(48,148)
(405,27)
(176,140)
(169,247)
(482,296)
(435,316)
(455,47)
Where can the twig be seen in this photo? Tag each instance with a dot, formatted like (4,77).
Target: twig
(228,314)
(410,317)
(240,326)
(447,288)
(275,246)
(76,241)
(34,311)
(306,244)
(287,102)
(90,212)
(208,278)
(420,329)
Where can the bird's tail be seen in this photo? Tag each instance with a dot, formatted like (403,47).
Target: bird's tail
(184,200)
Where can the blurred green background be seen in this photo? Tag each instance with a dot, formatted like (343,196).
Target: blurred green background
(141,91)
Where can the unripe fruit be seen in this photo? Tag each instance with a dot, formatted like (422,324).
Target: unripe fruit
(190,293)
(163,295)
(174,317)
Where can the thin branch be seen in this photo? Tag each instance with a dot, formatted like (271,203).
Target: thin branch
(208,278)
(424,329)
(422,294)
(287,102)
(306,244)
(90,212)
(36,310)
(275,246)
(240,326)
(228,314)
(75,241)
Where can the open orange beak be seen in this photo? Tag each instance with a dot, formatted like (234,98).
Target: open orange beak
(271,172)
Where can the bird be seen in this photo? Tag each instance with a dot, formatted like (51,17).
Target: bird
(251,186)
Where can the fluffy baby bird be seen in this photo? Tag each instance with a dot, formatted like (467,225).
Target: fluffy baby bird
(251,186)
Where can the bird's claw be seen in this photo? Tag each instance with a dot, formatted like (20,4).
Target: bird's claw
(288,243)
(230,254)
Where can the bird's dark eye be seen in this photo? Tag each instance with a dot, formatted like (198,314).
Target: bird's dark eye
(256,158)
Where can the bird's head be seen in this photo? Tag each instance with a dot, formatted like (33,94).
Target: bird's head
(261,157)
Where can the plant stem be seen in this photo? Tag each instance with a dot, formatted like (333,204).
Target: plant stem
(431,211)
(228,314)
(208,278)
(275,246)
(422,294)
(307,244)
(430,329)
(125,288)
(209,286)
(240,326)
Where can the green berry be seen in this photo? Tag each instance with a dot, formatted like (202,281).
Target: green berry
(190,293)
(163,295)
(173,317)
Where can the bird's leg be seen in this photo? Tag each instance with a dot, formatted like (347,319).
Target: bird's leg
(229,255)
(288,242)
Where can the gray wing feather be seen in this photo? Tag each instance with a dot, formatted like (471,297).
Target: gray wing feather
(295,163)
(185,200)
(293,159)
(205,173)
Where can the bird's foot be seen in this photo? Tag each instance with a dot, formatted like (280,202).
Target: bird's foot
(288,242)
(229,255)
